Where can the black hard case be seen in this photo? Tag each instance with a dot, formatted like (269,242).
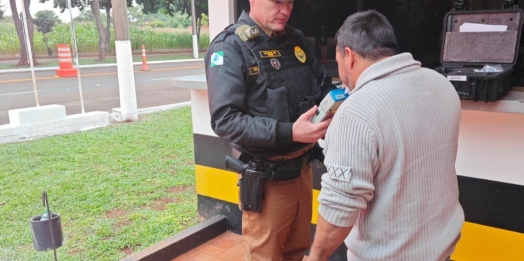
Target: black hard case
(462,52)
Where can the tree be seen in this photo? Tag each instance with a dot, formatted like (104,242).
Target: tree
(104,33)
(1,11)
(86,16)
(205,20)
(173,6)
(134,14)
(45,21)
(24,58)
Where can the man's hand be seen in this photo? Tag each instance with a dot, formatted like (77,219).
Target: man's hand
(307,132)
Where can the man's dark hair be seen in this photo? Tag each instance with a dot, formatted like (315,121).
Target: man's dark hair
(369,34)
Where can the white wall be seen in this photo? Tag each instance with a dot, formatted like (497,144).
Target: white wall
(221,14)
(491,146)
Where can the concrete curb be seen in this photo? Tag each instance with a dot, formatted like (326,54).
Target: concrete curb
(98,65)
(116,116)
(10,133)
(72,123)
(182,242)
(163,108)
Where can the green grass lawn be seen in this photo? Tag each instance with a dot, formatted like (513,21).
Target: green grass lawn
(92,60)
(118,189)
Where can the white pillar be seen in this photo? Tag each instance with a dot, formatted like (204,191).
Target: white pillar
(126,81)
(195,46)
(221,14)
(194,29)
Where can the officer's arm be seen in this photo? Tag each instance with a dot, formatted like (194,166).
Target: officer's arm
(227,101)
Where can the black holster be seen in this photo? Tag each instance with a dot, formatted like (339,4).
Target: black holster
(251,184)
(251,193)
(318,153)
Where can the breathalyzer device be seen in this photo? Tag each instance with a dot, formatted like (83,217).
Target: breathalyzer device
(330,104)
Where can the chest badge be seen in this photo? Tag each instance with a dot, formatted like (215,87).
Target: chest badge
(270,54)
(300,54)
(275,63)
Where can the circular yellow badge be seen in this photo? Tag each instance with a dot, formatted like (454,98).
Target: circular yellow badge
(300,54)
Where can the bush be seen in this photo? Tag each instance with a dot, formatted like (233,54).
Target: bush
(157,24)
(87,39)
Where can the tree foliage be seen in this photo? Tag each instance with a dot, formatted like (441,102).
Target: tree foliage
(171,7)
(87,15)
(45,20)
(104,32)
(178,20)
(1,11)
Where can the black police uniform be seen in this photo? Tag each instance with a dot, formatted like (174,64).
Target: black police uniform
(257,89)
(254,105)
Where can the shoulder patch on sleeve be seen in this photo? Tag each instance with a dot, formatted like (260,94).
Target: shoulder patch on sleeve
(341,173)
(217,58)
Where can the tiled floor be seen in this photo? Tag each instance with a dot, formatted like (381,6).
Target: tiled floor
(228,246)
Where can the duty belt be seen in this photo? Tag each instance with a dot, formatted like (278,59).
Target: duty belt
(281,170)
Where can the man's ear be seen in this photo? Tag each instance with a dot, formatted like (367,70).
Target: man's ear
(351,57)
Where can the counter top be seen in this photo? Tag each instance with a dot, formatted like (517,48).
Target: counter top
(513,102)
(197,82)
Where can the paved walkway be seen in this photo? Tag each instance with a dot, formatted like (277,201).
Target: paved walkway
(228,246)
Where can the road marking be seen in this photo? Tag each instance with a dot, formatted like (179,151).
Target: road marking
(168,69)
(160,79)
(16,94)
(99,74)
(12,94)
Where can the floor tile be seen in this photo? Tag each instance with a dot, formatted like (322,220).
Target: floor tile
(210,249)
(205,257)
(237,250)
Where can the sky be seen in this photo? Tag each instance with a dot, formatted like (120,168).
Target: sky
(37,6)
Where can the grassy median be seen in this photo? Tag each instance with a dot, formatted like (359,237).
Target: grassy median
(53,62)
(118,189)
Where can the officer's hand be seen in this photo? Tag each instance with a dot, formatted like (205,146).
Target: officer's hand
(307,132)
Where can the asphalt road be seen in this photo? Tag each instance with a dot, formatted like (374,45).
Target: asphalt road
(99,88)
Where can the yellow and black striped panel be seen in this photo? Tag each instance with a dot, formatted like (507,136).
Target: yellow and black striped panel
(494,211)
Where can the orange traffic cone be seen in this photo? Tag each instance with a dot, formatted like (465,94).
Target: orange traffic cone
(65,62)
(144,60)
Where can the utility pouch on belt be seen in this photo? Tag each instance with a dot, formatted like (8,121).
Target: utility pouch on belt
(251,184)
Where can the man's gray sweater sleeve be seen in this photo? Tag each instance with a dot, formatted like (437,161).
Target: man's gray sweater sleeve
(351,156)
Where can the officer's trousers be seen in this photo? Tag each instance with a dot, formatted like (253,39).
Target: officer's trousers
(281,231)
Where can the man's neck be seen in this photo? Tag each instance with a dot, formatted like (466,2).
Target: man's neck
(364,64)
(266,30)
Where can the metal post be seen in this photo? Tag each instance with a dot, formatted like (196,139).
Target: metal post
(45,200)
(195,38)
(29,52)
(75,55)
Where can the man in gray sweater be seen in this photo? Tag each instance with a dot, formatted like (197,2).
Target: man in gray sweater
(390,191)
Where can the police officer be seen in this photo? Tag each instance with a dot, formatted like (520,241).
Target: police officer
(264,83)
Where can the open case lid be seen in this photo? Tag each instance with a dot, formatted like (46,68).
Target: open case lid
(480,48)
